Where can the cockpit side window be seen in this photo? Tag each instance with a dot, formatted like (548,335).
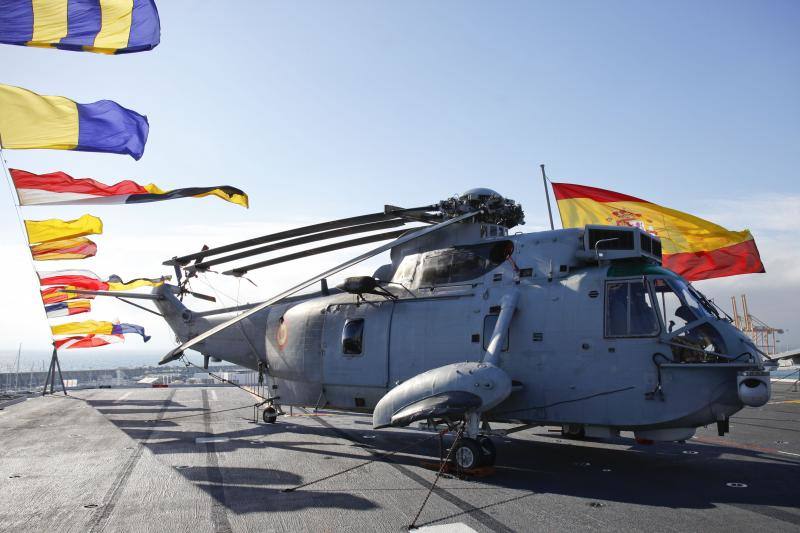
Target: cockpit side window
(630,311)
(680,305)
(406,269)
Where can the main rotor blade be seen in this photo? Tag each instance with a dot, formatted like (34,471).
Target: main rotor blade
(177,352)
(350,230)
(117,294)
(319,250)
(297,232)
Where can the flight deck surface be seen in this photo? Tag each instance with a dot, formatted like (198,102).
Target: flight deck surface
(168,460)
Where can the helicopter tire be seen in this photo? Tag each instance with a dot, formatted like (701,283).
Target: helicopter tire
(573,431)
(467,454)
(488,451)
(269,415)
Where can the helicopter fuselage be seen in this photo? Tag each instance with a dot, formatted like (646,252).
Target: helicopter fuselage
(601,344)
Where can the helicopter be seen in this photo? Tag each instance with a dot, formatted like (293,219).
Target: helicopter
(469,325)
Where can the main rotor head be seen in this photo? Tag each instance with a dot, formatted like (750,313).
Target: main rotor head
(494,208)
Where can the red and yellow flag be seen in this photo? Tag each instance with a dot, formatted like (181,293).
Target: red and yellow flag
(77,248)
(692,247)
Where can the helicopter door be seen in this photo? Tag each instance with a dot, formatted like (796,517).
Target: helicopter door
(355,344)
(432,332)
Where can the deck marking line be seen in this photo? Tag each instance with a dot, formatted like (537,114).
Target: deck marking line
(789,453)
(468,509)
(100,519)
(209,440)
(216,488)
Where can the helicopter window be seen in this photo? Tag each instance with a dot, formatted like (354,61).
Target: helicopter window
(463,263)
(405,271)
(353,336)
(489,323)
(679,305)
(629,310)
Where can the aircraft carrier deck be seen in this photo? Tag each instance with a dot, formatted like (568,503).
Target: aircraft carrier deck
(142,459)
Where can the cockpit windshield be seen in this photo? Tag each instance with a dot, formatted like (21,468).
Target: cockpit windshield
(680,304)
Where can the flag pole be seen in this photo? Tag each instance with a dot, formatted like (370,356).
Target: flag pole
(547,195)
(15,201)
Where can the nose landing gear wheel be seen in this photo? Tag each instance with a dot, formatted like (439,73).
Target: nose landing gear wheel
(270,415)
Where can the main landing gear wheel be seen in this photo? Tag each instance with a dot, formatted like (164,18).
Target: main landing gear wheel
(573,431)
(467,454)
(270,415)
(473,453)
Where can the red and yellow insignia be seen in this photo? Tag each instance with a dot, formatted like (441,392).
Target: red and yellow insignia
(282,334)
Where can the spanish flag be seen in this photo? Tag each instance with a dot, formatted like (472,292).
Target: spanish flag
(61,188)
(29,120)
(55,229)
(79,248)
(692,247)
(102,26)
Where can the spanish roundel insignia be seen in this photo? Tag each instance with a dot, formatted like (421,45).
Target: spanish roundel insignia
(282,335)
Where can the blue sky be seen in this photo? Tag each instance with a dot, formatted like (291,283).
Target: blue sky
(328,109)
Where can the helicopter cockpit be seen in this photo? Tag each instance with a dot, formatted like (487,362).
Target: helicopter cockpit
(689,320)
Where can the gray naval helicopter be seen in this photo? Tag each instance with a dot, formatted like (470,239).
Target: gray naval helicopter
(470,325)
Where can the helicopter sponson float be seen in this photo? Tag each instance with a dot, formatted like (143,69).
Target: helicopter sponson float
(469,324)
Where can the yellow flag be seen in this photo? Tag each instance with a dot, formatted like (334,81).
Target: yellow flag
(85,327)
(55,229)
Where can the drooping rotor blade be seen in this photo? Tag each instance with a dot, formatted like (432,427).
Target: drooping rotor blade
(178,351)
(138,296)
(350,230)
(117,294)
(239,271)
(297,232)
(200,295)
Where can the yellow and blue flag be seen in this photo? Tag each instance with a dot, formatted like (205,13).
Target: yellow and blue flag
(98,328)
(29,120)
(102,26)
(74,307)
